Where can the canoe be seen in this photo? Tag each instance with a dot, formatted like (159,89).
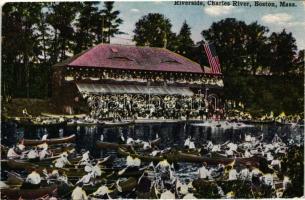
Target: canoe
(16,193)
(126,186)
(119,123)
(185,157)
(110,145)
(145,158)
(29,142)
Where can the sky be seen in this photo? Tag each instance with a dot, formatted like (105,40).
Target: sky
(200,18)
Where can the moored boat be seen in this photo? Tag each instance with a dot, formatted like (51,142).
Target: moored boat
(29,142)
(17,193)
(110,145)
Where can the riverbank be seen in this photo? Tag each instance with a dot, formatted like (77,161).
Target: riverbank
(44,111)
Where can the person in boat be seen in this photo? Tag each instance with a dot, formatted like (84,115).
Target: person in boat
(146,145)
(189,194)
(168,193)
(210,145)
(232,173)
(20,145)
(102,192)
(62,160)
(44,137)
(87,179)
(155,152)
(43,153)
(246,174)
(32,181)
(78,193)
(12,153)
(144,187)
(85,158)
(267,179)
(130,141)
(247,154)
(33,154)
(94,170)
(203,172)
(229,153)
(187,142)
(132,163)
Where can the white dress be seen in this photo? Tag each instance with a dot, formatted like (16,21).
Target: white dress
(33,178)
(167,195)
(79,194)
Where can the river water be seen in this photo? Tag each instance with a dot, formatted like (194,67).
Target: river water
(171,134)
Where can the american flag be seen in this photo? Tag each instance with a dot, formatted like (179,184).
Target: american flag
(212,57)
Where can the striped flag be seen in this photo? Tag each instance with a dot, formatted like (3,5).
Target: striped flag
(212,57)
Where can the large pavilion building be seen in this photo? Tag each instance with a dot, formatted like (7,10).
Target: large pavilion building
(131,82)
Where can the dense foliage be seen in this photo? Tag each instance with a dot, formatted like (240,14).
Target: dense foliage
(35,36)
(261,69)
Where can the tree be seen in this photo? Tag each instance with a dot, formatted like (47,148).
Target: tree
(238,45)
(185,42)
(110,23)
(154,30)
(282,52)
(19,48)
(86,25)
(61,17)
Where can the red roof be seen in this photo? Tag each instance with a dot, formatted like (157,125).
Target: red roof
(133,58)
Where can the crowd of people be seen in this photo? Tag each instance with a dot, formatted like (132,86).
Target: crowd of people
(161,78)
(129,106)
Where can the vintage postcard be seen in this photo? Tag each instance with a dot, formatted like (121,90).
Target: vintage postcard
(152,99)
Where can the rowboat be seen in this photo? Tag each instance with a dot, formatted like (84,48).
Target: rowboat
(146,158)
(16,193)
(118,123)
(126,186)
(110,145)
(29,142)
(186,157)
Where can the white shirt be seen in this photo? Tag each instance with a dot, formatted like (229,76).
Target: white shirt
(85,179)
(232,146)
(130,141)
(269,156)
(167,195)
(146,145)
(192,145)
(204,172)
(61,162)
(79,194)
(210,145)
(247,154)
(129,161)
(216,148)
(21,147)
(245,174)
(44,146)
(233,174)
(102,190)
(133,161)
(187,142)
(286,181)
(43,153)
(32,154)
(163,164)
(229,152)
(268,179)
(12,154)
(44,137)
(137,162)
(189,196)
(33,178)
(154,153)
